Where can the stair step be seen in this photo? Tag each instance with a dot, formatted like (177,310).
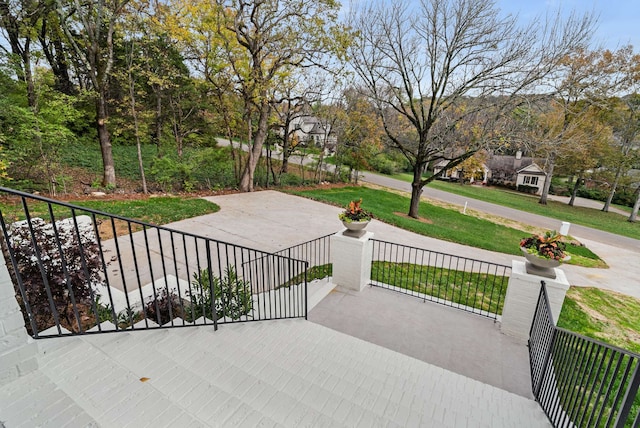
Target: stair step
(103,326)
(34,400)
(278,373)
(108,391)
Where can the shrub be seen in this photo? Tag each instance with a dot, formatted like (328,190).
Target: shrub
(212,168)
(625,197)
(384,165)
(288,179)
(171,173)
(56,262)
(164,307)
(595,194)
(232,295)
(527,189)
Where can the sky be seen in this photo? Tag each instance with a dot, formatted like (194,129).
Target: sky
(618,20)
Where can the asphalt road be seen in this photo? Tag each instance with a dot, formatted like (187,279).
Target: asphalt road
(509,213)
(582,232)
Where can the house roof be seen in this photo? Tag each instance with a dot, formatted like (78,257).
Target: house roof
(532,169)
(507,163)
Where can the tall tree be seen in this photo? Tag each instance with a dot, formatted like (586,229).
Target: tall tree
(359,131)
(626,124)
(19,20)
(90,28)
(583,80)
(585,146)
(422,63)
(257,43)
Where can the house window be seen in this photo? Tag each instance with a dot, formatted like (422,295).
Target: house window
(530,180)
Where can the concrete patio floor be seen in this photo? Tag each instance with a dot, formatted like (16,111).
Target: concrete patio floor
(446,337)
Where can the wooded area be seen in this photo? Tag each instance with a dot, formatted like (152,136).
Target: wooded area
(399,86)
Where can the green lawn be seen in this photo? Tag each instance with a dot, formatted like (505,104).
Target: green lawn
(609,222)
(604,315)
(445,224)
(160,210)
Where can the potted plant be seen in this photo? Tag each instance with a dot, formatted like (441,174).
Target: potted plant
(543,253)
(354,218)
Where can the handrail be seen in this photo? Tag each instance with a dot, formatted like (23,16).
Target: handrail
(580,381)
(70,279)
(464,283)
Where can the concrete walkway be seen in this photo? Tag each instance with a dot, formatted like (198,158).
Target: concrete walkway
(461,342)
(271,221)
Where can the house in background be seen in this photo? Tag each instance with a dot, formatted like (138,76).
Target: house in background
(456,173)
(531,179)
(515,171)
(310,130)
(518,171)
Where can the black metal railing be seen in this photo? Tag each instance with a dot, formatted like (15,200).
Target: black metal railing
(78,270)
(579,381)
(317,253)
(471,285)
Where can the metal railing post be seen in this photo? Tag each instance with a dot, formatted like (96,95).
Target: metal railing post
(629,398)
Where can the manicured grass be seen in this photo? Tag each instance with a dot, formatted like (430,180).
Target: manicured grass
(445,224)
(609,222)
(604,315)
(481,291)
(160,210)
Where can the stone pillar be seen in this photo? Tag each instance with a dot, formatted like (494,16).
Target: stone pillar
(351,259)
(18,350)
(522,297)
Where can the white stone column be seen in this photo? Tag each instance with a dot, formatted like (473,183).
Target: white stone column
(351,259)
(522,297)
(17,349)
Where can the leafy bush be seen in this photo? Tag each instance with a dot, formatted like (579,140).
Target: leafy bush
(164,307)
(624,197)
(58,267)
(170,173)
(288,179)
(232,295)
(527,189)
(595,194)
(384,165)
(212,168)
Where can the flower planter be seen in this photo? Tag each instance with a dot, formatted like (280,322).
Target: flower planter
(355,228)
(541,266)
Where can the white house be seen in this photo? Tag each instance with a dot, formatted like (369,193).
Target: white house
(532,176)
(312,130)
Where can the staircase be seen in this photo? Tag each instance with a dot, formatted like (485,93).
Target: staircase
(278,373)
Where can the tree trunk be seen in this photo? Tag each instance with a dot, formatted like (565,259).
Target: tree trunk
(574,192)
(157,129)
(547,183)
(246,182)
(109,177)
(616,180)
(134,114)
(416,191)
(28,77)
(636,206)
